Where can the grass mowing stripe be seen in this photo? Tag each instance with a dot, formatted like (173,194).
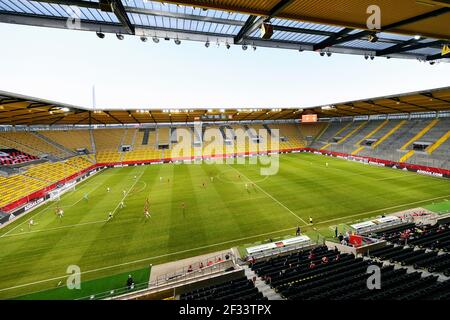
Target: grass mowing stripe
(268,194)
(53,229)
(150,258)
(126,194)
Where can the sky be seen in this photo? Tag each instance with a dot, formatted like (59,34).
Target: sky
(64,65)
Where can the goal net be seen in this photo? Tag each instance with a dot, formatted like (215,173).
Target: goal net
(55,195)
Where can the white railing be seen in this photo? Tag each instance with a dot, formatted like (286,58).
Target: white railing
(200,268)
(281,250)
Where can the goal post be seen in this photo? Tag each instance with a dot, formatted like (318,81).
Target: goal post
(55,195)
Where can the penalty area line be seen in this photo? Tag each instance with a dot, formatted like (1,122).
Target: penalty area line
(7,234)
(50,206)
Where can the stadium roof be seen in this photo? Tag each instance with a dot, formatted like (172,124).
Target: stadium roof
(23,110)
(410,28)
(435,100)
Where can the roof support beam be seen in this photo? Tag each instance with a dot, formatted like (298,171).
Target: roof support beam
(382,106)
(131,116)
(328,33)
(438,56)
(244,30)
(77,3)
(253,22)
(151,116)
(20,109)
(336,110)
(29,116)
(178,15)
(265,114)
(87,117)
(414,46)
(37,105)
(150,12)
(391,26)
(9,103)
(118,9)
(281,114)
(361,108)
(249,114)
(352,111)
(395,48)
(410,104)
(302,30)
(57,119)
(332,39)
(92,117)
(109,114)
(430,95)
(9,100)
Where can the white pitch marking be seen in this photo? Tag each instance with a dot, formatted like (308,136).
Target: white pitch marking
(126,194)
(62,227)
(268,194)
(52,229)
(43,210)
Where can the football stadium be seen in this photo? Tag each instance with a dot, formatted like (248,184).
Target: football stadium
(343,201)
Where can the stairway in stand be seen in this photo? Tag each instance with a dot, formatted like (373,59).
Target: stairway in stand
(264,288)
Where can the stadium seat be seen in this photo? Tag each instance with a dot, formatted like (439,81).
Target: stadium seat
(16,187)
(79,139)
(31,143)
(239,289)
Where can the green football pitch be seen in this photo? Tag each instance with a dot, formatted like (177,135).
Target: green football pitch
(219,215)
